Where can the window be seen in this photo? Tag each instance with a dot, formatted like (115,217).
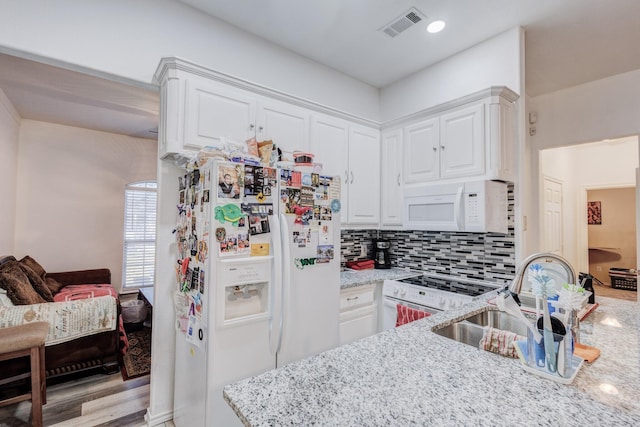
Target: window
(139,234)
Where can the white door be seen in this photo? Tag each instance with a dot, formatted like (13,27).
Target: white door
(422,152)
(462,142)
(552,216)
(364,175)
(391,182)
(212,112)
(286,125)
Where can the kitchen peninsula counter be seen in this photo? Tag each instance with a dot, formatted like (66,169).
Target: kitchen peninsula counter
(409,375)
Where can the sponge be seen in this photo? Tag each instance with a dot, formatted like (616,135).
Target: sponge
(500,341)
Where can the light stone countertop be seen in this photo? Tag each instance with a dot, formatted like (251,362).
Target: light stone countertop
(411,376)
(352,278)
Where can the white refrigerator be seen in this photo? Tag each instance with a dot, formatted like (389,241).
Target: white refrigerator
(258,278)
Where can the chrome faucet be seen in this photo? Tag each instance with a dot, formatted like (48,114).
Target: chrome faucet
(516,285)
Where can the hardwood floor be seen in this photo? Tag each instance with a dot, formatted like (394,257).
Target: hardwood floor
(608,291)
(97,400)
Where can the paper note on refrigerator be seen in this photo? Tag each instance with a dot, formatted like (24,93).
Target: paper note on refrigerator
(325,233)
(259,249)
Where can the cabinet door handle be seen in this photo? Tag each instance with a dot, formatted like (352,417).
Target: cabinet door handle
(346,177)
(435,148)
(442,147)
(352,298)
(351,178)
(260,129)
(398,180)
(251,126)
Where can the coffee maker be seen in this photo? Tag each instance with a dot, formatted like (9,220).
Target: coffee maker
(381,253)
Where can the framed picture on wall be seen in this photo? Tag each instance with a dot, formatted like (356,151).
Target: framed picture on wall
(594,213)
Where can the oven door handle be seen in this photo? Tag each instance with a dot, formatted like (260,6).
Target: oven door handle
(390,301)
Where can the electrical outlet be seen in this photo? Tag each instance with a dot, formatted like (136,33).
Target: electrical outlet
(363,251)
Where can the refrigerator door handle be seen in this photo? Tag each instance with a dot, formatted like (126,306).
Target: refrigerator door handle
(276,319)
(285,264)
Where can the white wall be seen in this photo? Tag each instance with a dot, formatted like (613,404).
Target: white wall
(607,164)
(70,195)
(128,38)
(494,62)
(9,131)
(603,109)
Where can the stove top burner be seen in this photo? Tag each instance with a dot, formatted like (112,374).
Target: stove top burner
(457,286)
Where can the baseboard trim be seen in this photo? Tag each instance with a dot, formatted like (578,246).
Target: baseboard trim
(154,420)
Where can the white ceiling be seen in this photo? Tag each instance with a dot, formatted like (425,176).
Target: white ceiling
(568,42)
(53,94)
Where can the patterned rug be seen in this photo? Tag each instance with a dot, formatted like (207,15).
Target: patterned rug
(137,361)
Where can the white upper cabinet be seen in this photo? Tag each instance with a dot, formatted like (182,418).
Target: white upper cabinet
(391,179)
(214,111)
(330,145)
(422,151)
(199,108)
(364,175)
(472,137)
(286,125)
(462,142)
(352,152)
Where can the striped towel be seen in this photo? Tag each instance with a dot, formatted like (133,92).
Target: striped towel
(500,341)
(408,314)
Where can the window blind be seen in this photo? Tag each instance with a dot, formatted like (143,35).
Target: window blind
(139,234)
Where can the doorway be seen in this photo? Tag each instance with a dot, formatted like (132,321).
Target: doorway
(603,166)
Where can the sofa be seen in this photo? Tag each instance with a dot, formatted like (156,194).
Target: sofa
(83,311)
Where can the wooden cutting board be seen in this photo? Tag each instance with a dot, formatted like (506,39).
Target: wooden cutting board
(587,353)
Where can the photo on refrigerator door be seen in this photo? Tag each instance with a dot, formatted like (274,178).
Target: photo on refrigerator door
(322,189)
(289,178)
(244,248)
(325,254)
(291,199)
(253,180)
(307,196)
(230,180)
(258,217)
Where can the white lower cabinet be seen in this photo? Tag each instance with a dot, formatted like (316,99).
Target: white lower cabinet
(358,313)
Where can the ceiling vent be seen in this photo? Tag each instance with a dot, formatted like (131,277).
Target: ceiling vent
(403,22)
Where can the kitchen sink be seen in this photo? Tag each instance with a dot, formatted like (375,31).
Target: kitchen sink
(464,332)
(471,329)
(499,320)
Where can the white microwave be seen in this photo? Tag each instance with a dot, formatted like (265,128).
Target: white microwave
(472,206)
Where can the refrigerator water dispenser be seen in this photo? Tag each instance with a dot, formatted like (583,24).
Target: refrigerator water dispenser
(243,290)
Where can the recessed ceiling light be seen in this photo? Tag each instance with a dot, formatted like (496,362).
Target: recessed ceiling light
(436,27)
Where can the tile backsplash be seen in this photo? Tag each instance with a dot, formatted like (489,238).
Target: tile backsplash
(484,256)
